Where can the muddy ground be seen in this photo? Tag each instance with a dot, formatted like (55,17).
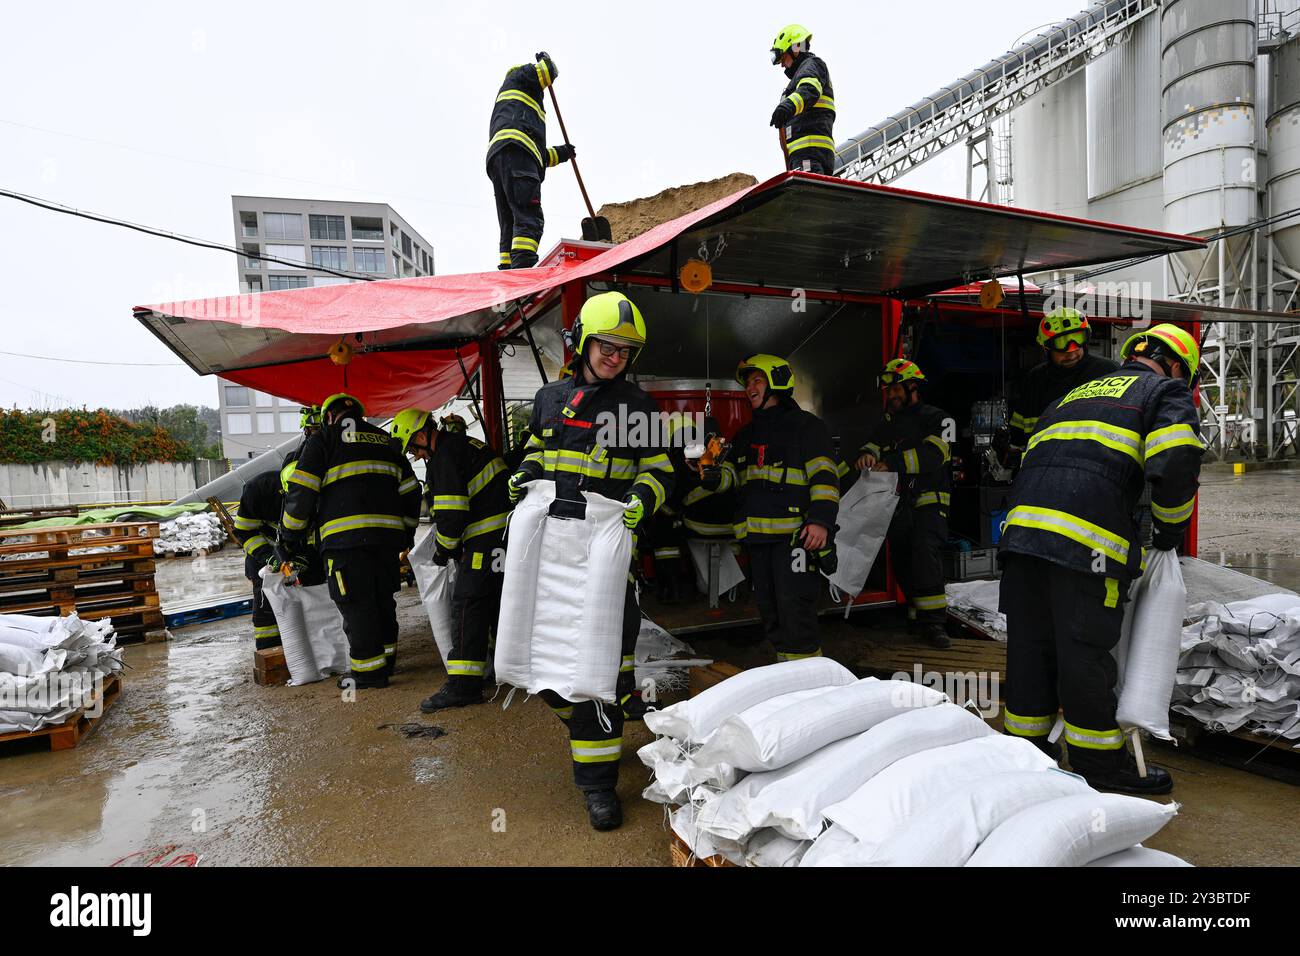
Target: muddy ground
(196,758)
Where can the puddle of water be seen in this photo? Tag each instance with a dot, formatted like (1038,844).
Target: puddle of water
(428,769)
(1281,569)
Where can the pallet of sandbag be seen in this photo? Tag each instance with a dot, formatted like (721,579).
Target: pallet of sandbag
(76,728)
(25,551)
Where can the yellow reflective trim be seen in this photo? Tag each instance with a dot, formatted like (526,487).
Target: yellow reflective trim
(1118,439)
(356,522)
(1175,515)
(524,243)
(776,474)
(450,543)
(1027,726)
(820,463)
(596,751)
(247,524)
(409,485)
(797,101)
(930,602)
(812,81)
(369,664)
(657,462)
(824,102)
(292,523)
(521,97)
(1112,592)
(810,142)
(1174,436)
(467,668)
(1086,533)
(911,461)
(343,588)
(782,657)
(494,523)
(933,498)
(267,630)
(872,449)
(253,543)
(410,522)
(304,478)
(1023,423)
(709,530)
(354,469)
(824,493)
(480,481)
(516,136)
(940,444)
(564,713)
(1093,739)
(450,503)
(655,487)
(769,525)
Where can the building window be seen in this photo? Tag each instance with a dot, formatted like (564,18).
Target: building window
(280,283)
(406,245)
(329,257)
(251,258)
(248,224)
(282,225)
(364,227)
(326,227)
(239,424)
(318,281)
(254,283)
(288,421)
(263,400)
(397,264)
(368,260)
(237,396)
(290,254)
(265,423)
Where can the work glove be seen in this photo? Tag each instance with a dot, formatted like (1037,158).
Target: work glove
(442,555)
(565,152)
(1164,540)
(782,114)
(710,477)
(633,511)
(516,487)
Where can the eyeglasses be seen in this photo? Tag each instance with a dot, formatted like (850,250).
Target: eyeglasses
(609,348)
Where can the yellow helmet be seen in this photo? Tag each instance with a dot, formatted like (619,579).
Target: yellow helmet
(338,397)
(899,370)
(1166,341)
(777,371)
(792,39)
(309,417)
(612,317)
(1062,328)
(406,423)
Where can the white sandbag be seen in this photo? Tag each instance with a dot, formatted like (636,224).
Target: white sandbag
(1139,856)
(325,631)
(863,519)
(830,848)
(729,572)
(953,828)
(693,720)
(770,848)
(436,586)
(701,844)
(28,661)
(874,811)
(806,726)
(1150,657)
(298,654)
(565,582)
(792,799)
(1073,831)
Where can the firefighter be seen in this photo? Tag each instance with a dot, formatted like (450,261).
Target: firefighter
(257,528)
(466,493)
(309,420)
(606,339)
(912,441)
(782,466)
(1063,336)
(358,493)
(806,112)
(518,157)
(1070,547)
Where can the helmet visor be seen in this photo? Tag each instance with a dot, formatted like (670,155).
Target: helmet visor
(1068,341)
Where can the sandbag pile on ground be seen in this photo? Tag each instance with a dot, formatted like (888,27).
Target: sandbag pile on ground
(978,600)
(801,764)
(48,665)
(190,532)
(1239,666)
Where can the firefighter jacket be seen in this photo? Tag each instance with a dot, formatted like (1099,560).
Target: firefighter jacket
(812,96)
(257,523)
(605,437)
(704,512)
(782,466)
(911,443)
(1046,383)
(1074,500)
(467,494)
(519,119)
(355,488)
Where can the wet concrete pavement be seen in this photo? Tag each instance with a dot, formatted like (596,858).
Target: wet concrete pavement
(197,759)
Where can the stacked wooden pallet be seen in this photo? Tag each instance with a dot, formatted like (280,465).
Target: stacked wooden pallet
(98,571)
(76,728)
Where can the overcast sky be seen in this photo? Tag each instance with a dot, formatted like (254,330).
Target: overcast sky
(158,113)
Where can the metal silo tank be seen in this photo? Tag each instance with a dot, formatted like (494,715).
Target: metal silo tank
(1208,50)
(1284,149)
(1049,149)
(1124,116)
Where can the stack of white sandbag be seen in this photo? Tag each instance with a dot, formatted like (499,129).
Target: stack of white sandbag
(801,764)
(49,665)
(190,532)
(1239,666)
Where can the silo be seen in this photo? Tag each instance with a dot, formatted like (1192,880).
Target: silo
(1208,50)
(1049,149)
(1284,149)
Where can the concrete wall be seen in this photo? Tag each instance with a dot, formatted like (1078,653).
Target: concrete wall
(62,483)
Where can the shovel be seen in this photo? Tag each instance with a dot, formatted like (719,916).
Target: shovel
(594,228)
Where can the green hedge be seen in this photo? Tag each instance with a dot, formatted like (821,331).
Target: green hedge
(84,436)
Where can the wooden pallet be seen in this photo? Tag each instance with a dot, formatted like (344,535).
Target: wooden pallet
(76,728)
(269,667)
(679,854)
(41,578)
(30,550)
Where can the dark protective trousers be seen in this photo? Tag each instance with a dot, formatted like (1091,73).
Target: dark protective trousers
(517,185)
(916,540)
(362,582)
(1061,627)
(266,631)
(785,584)
(812,161)
(596,748)
(476,605)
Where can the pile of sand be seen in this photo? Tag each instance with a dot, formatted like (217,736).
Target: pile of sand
(629,219)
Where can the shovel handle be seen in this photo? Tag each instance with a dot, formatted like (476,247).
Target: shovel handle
(574,161)
(785,156)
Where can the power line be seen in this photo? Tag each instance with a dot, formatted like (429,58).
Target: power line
(71,361)
(175,237)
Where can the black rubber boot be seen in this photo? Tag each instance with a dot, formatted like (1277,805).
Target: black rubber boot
(452,694)
(604,809)
(935,635)
(364,681)
(1125,779)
